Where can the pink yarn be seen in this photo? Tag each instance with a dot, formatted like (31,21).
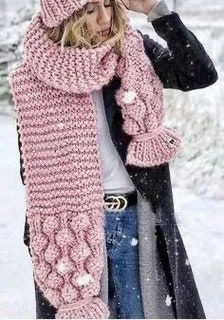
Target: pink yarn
(58,127)
(77,304)
(148,135)
(55,11)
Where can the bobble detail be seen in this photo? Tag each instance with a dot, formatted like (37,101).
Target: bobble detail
(84,279)
(129,96)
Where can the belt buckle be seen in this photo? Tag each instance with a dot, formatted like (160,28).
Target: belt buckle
(114,206)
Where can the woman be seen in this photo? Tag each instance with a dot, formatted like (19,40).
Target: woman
(94,152)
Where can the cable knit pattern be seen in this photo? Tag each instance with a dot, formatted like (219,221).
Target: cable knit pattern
(57,123)
(141,101)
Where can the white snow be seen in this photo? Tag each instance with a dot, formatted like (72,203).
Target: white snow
(134,242)
(200,221)
(168,300)
(187,262)
(16,287)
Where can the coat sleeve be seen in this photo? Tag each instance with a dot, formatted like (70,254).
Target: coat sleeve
(184,64)
(20,153)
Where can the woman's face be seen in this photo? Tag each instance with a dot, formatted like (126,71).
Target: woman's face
(99,15)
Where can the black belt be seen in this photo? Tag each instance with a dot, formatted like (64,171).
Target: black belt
(119,201)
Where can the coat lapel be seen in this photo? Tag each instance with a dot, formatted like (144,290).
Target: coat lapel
(171,290)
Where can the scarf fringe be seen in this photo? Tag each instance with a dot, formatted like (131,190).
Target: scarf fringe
(146,150)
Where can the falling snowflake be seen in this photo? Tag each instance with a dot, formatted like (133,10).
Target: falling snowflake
(134,242)
(187,262)
(168,300)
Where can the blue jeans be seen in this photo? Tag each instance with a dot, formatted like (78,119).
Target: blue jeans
(121,229)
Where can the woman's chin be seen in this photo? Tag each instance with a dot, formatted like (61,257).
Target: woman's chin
(103,37)
(104,34)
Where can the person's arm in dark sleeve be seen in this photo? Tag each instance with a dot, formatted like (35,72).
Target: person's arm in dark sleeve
(20,153)
(184,64)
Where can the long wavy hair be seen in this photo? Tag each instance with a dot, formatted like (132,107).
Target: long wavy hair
(73,31)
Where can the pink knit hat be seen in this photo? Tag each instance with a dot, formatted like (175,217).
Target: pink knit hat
(55,11)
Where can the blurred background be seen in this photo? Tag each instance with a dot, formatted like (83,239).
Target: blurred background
(197,173)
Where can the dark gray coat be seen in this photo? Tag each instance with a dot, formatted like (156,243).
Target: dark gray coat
(163,259)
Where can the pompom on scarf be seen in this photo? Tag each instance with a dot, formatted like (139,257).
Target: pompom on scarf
(58,127)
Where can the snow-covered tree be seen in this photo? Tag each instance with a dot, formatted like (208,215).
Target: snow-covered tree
(12,29)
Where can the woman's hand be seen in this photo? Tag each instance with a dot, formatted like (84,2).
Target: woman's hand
(142,6)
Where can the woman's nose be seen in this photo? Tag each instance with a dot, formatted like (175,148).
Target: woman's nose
(104,16)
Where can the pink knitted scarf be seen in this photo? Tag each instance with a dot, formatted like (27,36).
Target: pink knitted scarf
(58,126)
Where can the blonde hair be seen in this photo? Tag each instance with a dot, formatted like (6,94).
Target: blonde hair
(74,32)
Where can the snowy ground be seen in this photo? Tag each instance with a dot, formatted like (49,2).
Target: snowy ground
(200,221)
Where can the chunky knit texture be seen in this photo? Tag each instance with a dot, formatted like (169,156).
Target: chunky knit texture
(55,11)
(57,122)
